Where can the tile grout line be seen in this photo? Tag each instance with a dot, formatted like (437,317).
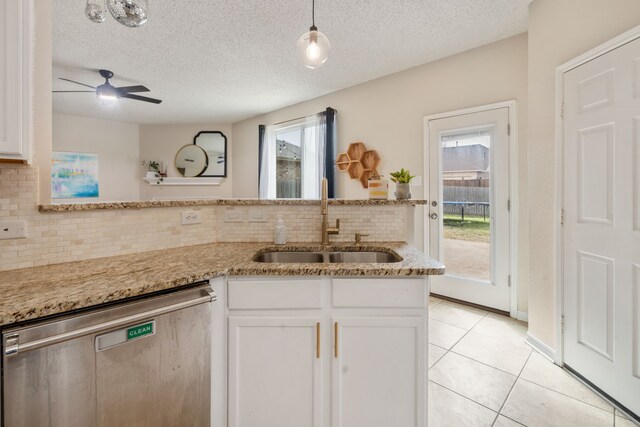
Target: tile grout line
(511,389)
(485,364)
(464,397)
(451,350)
(570,397)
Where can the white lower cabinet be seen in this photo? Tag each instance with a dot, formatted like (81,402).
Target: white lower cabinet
(275,375)
(379,375)
(342,364)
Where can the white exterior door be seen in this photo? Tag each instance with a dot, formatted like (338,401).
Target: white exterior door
(468,220)
(275,372)
(379,377)
(601,232)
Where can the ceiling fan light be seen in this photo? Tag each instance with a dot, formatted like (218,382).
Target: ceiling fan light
(130,13)
(106,94)
(313,48)
(107,100)
(95,11)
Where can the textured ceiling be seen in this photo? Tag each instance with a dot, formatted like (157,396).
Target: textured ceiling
(227,60)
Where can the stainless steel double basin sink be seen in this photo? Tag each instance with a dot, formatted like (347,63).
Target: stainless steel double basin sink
(330,257)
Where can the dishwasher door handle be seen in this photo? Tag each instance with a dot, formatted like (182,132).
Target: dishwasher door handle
(13,346)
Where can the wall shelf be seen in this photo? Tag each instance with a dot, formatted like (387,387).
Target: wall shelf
(184,181)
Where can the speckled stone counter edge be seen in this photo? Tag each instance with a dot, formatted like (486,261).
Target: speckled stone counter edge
(37,292)
(219,202)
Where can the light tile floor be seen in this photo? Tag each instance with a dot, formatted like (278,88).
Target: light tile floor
(481,373)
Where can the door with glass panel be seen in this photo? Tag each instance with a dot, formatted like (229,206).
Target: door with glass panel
(468,219)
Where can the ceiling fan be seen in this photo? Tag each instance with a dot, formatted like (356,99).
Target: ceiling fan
(108,93)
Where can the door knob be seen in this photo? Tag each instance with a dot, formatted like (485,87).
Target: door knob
(434,216)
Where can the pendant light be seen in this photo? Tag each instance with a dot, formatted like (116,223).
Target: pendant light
(130,13)
(313,46)
(95,11)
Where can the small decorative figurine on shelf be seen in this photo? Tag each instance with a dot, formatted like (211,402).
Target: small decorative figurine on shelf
(378,187)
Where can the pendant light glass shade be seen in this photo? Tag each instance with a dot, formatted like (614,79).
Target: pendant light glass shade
(96,11)
(130,13)
(313,48)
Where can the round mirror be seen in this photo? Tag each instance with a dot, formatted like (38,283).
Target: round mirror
(191,160)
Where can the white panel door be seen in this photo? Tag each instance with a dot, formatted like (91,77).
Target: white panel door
(274,372)
(601,232)
(469,226)
(378,375)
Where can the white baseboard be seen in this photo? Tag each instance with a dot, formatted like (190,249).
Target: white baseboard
(523,316)
(541,347)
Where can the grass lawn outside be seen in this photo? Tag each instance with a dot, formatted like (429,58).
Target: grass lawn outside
(474,228)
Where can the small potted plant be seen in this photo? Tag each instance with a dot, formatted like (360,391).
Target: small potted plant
(402,178)
(153,169)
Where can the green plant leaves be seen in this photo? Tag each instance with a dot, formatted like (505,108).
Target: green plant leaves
(402,176)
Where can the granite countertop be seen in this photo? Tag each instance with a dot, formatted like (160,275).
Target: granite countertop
(67,207)
(31,293)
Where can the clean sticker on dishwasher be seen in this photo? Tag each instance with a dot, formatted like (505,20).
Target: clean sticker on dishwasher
(139,331)
(121,336)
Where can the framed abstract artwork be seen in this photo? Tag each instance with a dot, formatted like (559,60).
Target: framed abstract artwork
(74,175)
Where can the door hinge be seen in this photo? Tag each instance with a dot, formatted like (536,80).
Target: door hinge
(562,111)
(562,323)
(509,129)
(509,280)
(562,217)
(509,205)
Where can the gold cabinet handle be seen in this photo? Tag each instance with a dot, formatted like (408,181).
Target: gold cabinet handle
(335,339)
(318,340)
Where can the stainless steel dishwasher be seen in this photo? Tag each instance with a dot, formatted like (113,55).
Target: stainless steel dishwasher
(141,363)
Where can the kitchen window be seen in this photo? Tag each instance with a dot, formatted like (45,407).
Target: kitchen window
(295,155)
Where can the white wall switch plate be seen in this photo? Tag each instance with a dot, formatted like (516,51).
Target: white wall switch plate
(191,218)
(233,215)
(13,229)
(257,215)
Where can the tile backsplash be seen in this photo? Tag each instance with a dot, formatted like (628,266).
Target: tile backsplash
(72,236)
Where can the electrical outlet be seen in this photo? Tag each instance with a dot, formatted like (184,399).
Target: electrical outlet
(190,218)
(257,215)
(13,229)
(234,215)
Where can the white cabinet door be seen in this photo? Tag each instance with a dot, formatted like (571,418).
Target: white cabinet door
(15,69)
(378,376)
(274,372)
(601,238)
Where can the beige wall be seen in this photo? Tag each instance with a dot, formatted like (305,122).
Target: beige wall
(162,142)
(117,146)
(559,30)
(387,114)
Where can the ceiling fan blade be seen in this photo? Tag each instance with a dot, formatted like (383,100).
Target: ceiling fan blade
(73,91)
(141,98)
(130,89)
(78,83)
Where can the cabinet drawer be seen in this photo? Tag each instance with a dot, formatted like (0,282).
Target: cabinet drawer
(276,294)
(379,293)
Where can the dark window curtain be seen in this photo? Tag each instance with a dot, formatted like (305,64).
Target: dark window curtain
(330,152)
(261,130)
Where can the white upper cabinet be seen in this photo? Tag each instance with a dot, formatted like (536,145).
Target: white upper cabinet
(15,79)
